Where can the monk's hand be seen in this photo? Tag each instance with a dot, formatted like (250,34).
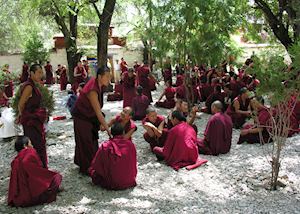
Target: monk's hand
(18,119)
(102,128)
(195,109)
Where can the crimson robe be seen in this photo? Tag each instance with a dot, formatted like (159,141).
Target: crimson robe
(3,100)
(139,106)
(79,79)
(49,74)
(25,73)
(212,98)
(181,92)
(180,149)
(217,135)
(205,90)
(238,119)
(128,89)
(123,66)
(168,75)
(86,126)
(169,102)
(115,165)
(143,80)
(128,126)
(263,120)
(154,141)
(31,184)
(32,119)
(117,95)
(179,80)
(63,79)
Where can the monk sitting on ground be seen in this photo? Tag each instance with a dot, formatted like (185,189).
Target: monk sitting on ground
(180,149)
(124,118)
(140,104)
(169,93)
(218,132)
(114,165)
(216,95)
(30,183)
(117,95)
(155,133)
(239,110)
(252,133)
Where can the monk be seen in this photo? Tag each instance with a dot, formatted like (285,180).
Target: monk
(239,110)
(139,104)
(216,95)
(79,75)
(9,86)
(169,93)
(25,72)
(125,119)
(205,89)
(168,75)
(143,79)
(129,92)
(114,166)
(49,73)
(87,68)
(3,99)
(155,133)
(123,65)
(88,117)
(180,149)
(218,132)
(30,184)
(63,78)
(258,132)
(179,79)
(31,115)
(117,95)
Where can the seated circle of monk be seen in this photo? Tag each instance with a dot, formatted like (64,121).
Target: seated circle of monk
(180,149)
(140,104)
(239,110)
(125,119)
(155,133)
(115,165)
(218,132)
(30,183)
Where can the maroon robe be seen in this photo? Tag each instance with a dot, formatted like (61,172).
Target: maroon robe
(168,75)
(169,102)
(86,126)
(212,98)
(128,89)
(123,66)
(217,135)
(3,100)
(154,141)
(63,79)
(117,95)
(263,120)
(179,80)
(31,184)
(235,88)
(180,149)
(25,73)
(49,74)
(139,106)
(238,119)
(181,92)
(128,126)
(205,90)
(115,165)
(78,79)
(143,80)
(32,119)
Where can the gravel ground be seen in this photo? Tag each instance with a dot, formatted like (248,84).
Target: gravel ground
(231,183)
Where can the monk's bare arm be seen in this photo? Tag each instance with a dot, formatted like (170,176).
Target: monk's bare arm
(93,98)
(26,94)
(75,73)
(251,131)
(236,106)
(192,117)
(128,135)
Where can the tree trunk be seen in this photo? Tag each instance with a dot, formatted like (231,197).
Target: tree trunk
(103,29)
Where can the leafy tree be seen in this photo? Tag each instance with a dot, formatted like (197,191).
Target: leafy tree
(34,50)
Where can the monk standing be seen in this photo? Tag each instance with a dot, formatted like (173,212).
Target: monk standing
(49,73)
(88,117)
(143,79)
(129,93)
(25,73)
(30,184)
(115,165)
(31,115)
(63,78)
(218,132)
(180,149)
(9,86)
(79,75)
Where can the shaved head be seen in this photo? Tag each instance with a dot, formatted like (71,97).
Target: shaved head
(216,106)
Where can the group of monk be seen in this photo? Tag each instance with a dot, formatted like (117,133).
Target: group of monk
(113,164)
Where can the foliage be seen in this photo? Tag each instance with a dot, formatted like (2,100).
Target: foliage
(34,50)
(47,100)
